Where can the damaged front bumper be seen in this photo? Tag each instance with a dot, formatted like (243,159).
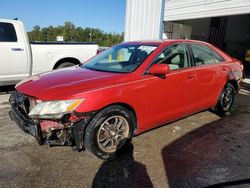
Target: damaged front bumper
(69,130)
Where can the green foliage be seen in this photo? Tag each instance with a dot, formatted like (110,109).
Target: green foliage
(71,33)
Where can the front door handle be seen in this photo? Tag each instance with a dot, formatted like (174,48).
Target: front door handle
(17,49)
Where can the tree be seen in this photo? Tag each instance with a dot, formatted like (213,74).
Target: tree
(35,35)
(71,33)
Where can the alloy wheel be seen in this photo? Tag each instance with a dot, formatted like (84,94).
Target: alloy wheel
(112,133)
(227,98)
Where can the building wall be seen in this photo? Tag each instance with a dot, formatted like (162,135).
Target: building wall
(143,19)
(187,9)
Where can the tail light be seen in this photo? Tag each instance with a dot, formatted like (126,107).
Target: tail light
(242,66)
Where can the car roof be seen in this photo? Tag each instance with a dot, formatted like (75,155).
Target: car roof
(149,42)
(9,21)
(167,41)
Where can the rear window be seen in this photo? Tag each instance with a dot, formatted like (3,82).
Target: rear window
(7,32)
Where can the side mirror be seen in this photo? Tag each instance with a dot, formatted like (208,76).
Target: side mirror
(159,69)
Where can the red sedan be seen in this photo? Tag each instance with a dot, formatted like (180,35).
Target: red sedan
(124,91)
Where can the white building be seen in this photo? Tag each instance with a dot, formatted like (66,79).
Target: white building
(224,23)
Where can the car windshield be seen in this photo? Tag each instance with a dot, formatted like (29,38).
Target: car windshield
(122,58)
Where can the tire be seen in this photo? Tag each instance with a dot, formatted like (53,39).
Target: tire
(109,132)
(65,64)
(226,99)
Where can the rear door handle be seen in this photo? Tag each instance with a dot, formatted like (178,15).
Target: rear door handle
(17,49)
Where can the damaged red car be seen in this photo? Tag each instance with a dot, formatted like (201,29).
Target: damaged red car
(124,91)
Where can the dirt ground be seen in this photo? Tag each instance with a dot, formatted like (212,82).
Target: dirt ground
(198,151)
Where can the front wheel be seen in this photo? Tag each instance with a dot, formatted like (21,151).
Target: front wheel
(226,99)
(109,132)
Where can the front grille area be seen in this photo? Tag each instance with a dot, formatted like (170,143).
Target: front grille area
(20,106)
(48,131)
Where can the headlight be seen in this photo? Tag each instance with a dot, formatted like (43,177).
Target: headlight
(54,109)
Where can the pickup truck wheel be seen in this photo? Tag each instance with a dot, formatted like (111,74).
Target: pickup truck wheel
(226,99)
(65,64)
(109,132)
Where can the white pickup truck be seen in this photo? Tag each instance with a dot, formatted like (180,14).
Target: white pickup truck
(19,58)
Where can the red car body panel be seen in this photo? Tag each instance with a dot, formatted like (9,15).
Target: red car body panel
(155,101)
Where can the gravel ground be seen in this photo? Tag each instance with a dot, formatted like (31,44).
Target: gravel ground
(198,151)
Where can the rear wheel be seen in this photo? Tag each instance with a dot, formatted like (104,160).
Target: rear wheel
(109,132)
(65,64)
(226,99)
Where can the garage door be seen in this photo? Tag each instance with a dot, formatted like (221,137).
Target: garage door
(186,9)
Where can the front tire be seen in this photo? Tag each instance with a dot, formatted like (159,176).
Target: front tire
(109,132)
(226,99)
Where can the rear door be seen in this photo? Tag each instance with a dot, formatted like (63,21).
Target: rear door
(13,57)
(211,70)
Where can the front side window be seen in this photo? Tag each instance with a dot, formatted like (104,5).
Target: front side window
(176,56)
(7,32)
(203,55)
(122,58)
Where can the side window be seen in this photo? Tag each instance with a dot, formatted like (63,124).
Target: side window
(217,57)
(175,55)
(7,32)
(203,55)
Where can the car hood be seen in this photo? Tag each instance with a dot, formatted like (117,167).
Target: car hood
(64,83)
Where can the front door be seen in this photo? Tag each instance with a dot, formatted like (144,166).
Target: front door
(168,98)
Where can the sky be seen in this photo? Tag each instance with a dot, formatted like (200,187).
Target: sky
(108,15)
